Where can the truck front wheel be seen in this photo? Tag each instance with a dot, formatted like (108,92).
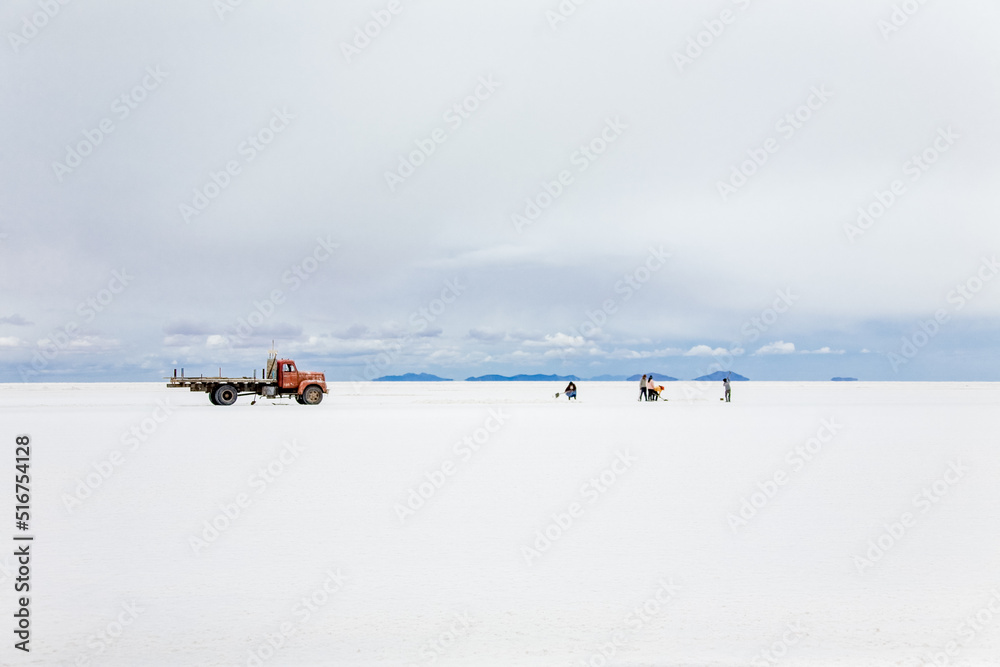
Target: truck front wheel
(312,395)
(226,395)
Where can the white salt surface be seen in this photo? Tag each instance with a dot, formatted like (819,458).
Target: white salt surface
(653,569)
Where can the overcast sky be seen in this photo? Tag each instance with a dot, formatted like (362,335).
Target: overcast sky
(498,187)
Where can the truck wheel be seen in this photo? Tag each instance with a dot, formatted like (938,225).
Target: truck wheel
(211,396)
(226,395)
(312,395)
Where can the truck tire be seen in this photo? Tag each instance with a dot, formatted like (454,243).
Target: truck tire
(211,396)
(225,395)
(313,395)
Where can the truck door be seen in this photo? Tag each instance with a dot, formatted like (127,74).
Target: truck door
(289,376)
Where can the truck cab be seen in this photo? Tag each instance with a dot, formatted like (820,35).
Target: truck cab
(307,387)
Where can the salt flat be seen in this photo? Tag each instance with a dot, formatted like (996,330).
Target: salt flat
(492,524)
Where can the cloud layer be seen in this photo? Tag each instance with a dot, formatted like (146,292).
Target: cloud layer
(470,190)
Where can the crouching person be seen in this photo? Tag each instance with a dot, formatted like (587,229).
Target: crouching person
(570,391)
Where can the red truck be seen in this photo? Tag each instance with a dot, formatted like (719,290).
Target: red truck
(280,379)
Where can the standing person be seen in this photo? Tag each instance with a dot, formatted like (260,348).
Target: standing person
(570,391)
(642,388)
(650,388)
(725,383)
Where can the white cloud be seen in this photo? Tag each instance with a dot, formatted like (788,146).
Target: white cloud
(573,352)
(777,347)
(706,351)
(624,353)
(557,340)
(83,344)
(822,350)
(10,341)
(216,341)
(446,356)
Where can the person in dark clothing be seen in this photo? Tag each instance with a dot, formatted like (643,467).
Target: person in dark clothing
(642,388)
(570,391)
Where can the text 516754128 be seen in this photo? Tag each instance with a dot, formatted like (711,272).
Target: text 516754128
(22,542)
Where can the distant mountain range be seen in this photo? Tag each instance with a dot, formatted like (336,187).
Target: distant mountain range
(719,376)
(412,377)
(844,380)
(657,377)
(524,378)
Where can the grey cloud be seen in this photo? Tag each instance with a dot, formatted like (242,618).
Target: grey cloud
(16,320)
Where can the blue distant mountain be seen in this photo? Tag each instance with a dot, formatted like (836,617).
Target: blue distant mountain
(844,380)
(657,377)
(412,377)
(719,376)
(524,378)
